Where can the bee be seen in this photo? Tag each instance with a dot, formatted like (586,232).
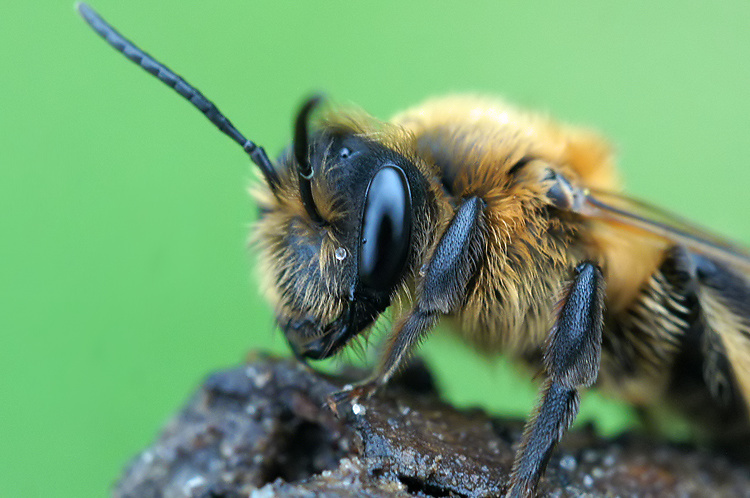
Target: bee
(509,226)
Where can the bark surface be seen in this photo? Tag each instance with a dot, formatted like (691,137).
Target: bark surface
(263,429)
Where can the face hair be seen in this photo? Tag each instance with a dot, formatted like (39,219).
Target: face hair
(174,81)
(301,154)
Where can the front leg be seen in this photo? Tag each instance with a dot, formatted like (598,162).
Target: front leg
(571,359)
(449,270)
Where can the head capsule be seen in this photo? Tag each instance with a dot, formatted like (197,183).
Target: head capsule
(342,213)
(342,234)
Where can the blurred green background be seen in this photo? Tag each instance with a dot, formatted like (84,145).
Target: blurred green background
(124,273)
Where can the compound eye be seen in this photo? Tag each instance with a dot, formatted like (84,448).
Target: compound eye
(386,230)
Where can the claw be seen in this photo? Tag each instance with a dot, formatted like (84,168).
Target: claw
(350,396)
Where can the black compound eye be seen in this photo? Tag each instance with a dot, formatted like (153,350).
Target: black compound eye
(386,230)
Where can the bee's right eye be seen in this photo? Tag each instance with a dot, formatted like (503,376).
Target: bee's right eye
(386,230)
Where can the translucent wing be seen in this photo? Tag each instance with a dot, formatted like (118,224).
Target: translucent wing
(723,294)
(639,216)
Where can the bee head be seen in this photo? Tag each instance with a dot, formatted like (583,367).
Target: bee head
(340,212)
(339,235)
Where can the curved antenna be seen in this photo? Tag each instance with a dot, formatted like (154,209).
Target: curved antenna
(301,153)
(174,81)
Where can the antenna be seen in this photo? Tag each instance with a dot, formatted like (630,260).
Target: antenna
(301,153)
(175,81)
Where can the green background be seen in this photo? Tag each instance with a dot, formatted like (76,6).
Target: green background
(124,272)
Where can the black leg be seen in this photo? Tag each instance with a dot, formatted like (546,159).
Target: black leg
(723,294)
(571,358)
(448,273)
(731,288)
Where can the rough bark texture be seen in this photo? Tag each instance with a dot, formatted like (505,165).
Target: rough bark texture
(264,430)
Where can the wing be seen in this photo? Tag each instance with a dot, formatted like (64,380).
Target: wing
(722,274)
(639,216)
